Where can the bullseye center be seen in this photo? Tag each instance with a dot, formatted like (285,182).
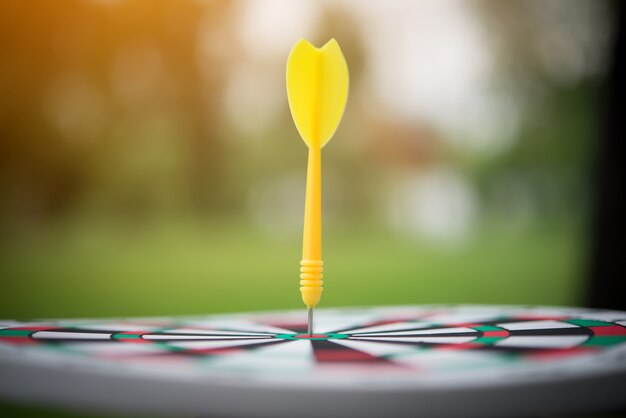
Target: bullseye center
(311,336)
(304,336)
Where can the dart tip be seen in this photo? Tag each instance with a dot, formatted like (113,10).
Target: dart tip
(310,315)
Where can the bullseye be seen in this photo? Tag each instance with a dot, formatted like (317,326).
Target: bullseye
(312,336)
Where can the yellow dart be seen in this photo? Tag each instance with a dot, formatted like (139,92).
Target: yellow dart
(317,89)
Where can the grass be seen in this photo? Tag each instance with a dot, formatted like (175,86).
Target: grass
(177,269)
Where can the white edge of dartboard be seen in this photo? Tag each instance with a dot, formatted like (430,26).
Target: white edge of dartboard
(34,379)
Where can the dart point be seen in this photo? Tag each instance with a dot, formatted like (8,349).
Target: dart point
(310,321)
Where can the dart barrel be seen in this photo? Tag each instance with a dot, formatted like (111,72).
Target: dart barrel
(311,281)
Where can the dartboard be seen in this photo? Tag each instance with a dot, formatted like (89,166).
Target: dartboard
(357,350)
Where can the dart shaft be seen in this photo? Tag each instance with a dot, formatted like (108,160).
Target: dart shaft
(311,266)
(312,236)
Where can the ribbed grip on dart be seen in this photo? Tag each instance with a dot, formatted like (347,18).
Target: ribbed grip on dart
(311,281)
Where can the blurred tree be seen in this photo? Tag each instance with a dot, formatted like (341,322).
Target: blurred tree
(79,79)
(551,57)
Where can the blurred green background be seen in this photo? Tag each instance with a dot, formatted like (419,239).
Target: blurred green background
(149,164)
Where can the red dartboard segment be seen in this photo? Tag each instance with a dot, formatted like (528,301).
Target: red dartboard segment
(17,340)
(545,355)
(463,346)
(343,356)
(611,330)
(501,334)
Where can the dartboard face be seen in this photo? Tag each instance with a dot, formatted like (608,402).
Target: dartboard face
(380,346)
